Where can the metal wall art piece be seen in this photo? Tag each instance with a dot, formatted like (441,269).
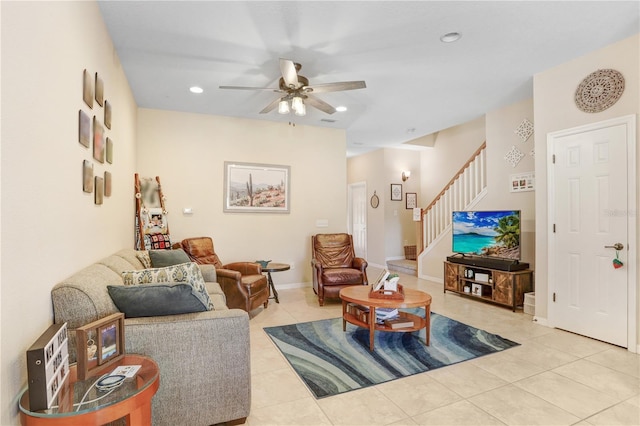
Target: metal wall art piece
(87,176)
(87,89)
(524,130)
(599,90)
(99,91)
(514,156)
(258,188)
(84,129)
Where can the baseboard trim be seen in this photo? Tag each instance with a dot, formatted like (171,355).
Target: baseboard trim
(292,285)
(375,265)
(541,321)
(430,278)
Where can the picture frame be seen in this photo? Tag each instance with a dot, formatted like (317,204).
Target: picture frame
(107,184)
(84,129)
(87,89)
(109,151)
(99,344)
(98,140)
(256,188)
(99,91)
(87,176)
(396,192)
(107,114)
(99,193)
(411,199)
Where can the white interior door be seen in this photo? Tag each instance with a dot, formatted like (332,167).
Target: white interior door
(358,217)
(589,175)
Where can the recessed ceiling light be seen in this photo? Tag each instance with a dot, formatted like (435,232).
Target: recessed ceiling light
(450,37)
(341,108)
(411,129)
(196,89)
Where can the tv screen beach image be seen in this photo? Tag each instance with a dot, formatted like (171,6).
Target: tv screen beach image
(487,233)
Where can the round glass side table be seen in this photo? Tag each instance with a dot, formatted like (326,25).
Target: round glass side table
(131,400)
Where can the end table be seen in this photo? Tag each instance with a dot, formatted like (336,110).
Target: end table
(131,400)
(274,267)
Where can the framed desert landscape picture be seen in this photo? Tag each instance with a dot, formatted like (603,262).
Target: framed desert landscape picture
(256,188)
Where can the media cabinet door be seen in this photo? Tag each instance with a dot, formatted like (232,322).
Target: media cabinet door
(502,292)
(451,276)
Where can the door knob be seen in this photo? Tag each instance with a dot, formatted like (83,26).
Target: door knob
(617,246)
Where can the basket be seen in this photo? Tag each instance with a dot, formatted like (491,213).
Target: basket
(388,294)
(410,252)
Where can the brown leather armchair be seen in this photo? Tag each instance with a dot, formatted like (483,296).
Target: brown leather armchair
(335,265)
(242,282)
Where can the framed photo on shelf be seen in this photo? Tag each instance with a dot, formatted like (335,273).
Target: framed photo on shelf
(411,200)
(396,192)
(256,188)
(99,344)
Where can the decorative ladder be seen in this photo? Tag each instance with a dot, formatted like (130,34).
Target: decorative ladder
(463,191)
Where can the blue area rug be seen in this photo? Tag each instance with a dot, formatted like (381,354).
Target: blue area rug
(331,361)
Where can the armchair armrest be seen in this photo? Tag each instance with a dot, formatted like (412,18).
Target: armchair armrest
(245,268)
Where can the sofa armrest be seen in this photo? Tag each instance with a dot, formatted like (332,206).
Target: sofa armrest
(245,268)
(204,361)
(361,264)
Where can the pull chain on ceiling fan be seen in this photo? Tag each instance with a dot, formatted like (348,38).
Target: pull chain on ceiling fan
(297,91)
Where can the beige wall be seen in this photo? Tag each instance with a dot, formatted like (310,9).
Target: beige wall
(50,227)
(497,128)
(390,226)
(555,110)
(188,152)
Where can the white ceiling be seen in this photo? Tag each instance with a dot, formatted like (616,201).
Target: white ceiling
(414,81)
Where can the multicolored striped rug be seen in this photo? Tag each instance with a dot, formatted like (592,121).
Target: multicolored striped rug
(331,361)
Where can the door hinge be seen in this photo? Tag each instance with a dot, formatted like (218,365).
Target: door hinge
(554,296)
(553,158)
(554,228)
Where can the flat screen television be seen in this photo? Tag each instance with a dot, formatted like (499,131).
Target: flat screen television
(487,233)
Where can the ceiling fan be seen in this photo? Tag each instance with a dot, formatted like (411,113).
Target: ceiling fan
(297,92)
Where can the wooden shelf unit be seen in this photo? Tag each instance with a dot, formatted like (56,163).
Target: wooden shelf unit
(502,287)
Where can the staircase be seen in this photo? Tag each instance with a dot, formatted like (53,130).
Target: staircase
(462,192)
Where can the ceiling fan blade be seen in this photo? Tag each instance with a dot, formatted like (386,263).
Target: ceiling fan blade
(336,87)
(272,89)
(321,105)
(271,106)
(289,73)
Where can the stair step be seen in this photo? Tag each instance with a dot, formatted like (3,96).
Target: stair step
(405,266)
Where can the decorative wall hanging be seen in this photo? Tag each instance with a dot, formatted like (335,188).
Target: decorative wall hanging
(522,182)
(109,150)
(87,89)
(107,114)
(87,176)
(151,226)
(375,200)
(599,90)
(84,129)
(257,188)
(99,194)
(99,91)
(396,192)
(524,130)
(98,140)
(107,184)
(514,156)
(411,200)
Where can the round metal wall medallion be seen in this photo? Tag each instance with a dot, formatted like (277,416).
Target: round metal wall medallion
(599,90)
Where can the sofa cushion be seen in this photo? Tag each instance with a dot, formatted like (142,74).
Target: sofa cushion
(183,273)
(163,258)
(341,276)
(143,257)
(155,299)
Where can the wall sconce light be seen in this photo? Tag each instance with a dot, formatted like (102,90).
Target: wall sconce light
(405,175)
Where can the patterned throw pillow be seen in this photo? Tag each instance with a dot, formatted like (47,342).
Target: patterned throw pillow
(183,273)
(144,258)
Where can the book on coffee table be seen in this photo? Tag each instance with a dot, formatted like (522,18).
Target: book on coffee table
(398,323)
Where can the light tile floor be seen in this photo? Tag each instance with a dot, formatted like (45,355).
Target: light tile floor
(553,378)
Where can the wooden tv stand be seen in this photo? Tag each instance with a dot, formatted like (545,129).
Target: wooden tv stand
(491,285)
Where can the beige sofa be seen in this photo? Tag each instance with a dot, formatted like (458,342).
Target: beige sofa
(203,357)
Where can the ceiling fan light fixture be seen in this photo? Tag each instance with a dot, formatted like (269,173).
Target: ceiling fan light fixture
(341,108)
(196,89)
(283,107)
(296,103)
(302,109)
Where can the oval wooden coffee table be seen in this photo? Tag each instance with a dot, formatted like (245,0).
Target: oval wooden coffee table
(359,294)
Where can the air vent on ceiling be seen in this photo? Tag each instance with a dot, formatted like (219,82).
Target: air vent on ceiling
(328,120)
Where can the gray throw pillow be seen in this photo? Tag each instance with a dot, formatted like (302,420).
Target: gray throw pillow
(152,300)
(164,258)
